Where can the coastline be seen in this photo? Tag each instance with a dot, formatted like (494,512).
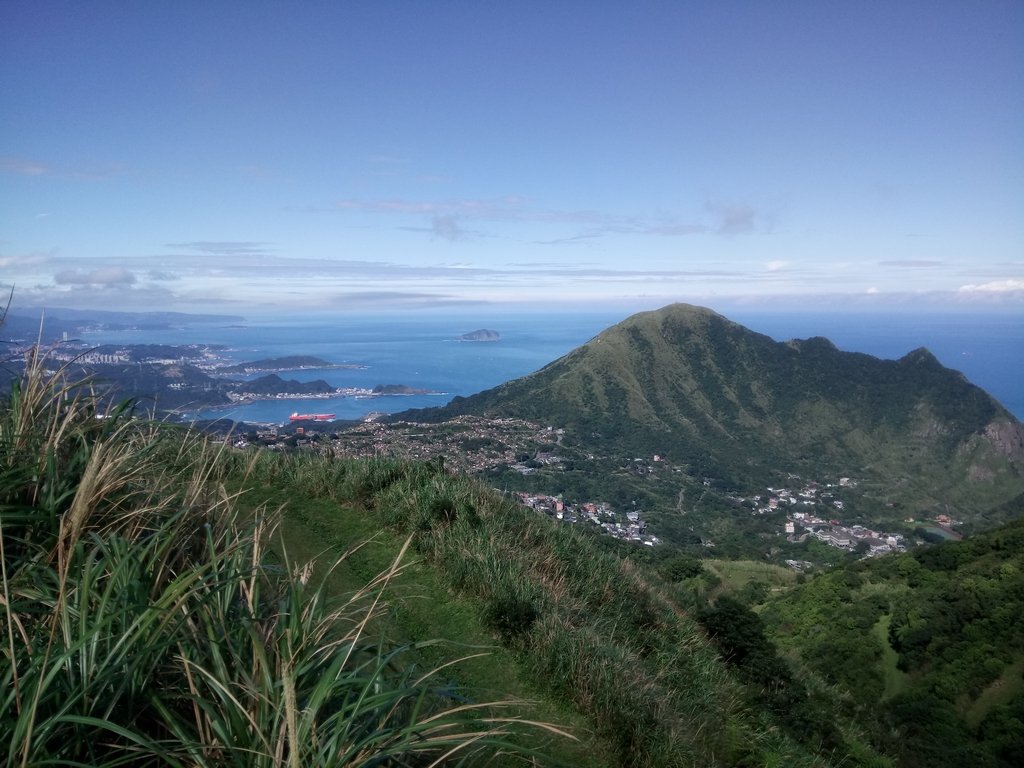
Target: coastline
(355,393)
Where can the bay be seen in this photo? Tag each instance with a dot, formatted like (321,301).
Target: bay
(418,351)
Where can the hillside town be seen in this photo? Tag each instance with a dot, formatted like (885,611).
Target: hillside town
(802,508)
(629,526)
(470,443)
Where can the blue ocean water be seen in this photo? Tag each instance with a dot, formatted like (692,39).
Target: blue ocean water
(422,351)
(418,351)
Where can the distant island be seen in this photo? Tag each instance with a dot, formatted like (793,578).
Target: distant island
(402,389)
(483,334)
(273,385)
(290,363)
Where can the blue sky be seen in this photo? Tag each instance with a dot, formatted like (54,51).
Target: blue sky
(255,156)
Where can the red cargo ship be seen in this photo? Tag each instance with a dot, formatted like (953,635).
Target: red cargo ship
(311,416)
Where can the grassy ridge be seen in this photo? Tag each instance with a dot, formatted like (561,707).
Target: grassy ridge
(586,627)
(145,622)
(420,607)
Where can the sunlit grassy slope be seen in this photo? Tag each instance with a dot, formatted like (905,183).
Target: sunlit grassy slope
(145,621)
(604,647)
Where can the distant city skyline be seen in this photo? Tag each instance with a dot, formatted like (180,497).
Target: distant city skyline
(235,157)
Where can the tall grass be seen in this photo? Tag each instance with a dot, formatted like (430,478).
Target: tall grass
(144,622)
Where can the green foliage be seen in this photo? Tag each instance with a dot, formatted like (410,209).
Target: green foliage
(921,641)
(927,733)
(680,567)
(510,614)
(740,634)
(1001,733)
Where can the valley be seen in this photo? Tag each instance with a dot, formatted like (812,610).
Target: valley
(531,461)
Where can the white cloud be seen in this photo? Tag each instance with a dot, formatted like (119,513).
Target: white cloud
(399,300)
(447,228)
(775,266)
(225,247)
(101,276)
(911,263)
(733,218)
(446,217)
(489,209)
(995,286)
(26,260)
(22,167)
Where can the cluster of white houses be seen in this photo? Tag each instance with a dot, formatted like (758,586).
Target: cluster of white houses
(809,496)
(802,522)
(89,358)
(835,534)
(628,526)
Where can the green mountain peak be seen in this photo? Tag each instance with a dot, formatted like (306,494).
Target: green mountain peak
(691,385)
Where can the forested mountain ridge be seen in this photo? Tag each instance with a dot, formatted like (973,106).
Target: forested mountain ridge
(692,386)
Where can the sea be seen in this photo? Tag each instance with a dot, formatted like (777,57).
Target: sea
(423,350)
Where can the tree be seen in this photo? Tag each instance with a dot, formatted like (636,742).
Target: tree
(680,567)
